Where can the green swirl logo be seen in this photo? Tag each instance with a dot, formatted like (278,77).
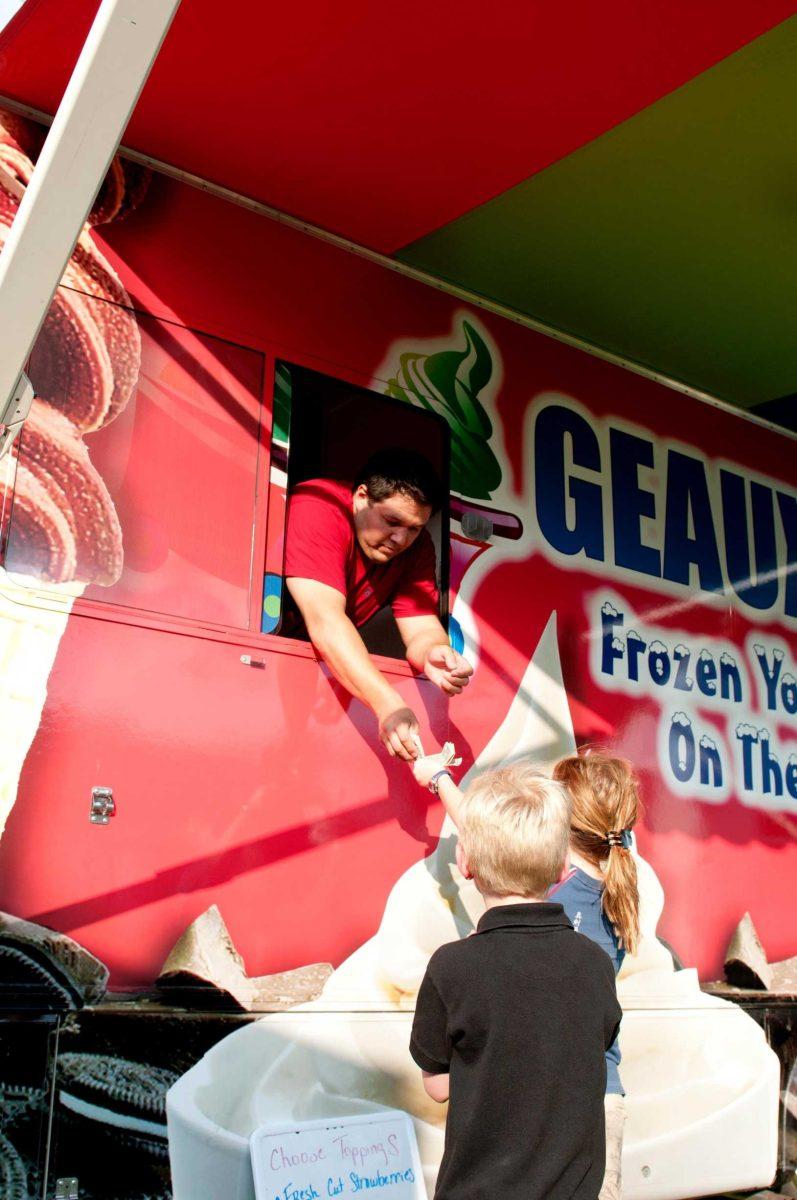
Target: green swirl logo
(448,382)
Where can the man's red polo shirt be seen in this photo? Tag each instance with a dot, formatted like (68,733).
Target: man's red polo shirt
(321,544)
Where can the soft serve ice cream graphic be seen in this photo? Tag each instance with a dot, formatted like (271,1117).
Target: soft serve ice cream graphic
(702,1083)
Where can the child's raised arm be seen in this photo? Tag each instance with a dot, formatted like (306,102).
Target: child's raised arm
(431,770)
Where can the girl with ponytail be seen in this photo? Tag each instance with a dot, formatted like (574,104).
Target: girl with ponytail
(601,896)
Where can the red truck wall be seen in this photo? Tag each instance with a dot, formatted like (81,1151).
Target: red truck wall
(265,790)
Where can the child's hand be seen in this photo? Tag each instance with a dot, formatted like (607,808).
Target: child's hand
(427,766)
(424,769)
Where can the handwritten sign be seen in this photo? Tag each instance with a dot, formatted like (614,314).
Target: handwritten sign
(344,1156)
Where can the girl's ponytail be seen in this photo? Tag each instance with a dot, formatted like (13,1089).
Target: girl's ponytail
(605,809)
(621,897)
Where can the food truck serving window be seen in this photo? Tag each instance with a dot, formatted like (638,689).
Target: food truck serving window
(325,428)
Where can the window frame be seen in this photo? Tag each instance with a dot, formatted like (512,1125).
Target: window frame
(442,542)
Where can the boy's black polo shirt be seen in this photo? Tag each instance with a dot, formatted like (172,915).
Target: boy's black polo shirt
(520,1015)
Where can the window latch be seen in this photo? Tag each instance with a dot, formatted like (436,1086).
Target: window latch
(103,806)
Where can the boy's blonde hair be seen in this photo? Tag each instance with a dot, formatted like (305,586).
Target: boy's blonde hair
(515,830)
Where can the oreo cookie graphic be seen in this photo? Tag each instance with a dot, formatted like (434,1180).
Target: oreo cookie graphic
(37,984)
(13,1176)
(46,970)
(104,1097)
(26,1048)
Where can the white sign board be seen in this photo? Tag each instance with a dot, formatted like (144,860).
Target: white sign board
(341,1156)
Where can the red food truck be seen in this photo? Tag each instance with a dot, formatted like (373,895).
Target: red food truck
(188,795)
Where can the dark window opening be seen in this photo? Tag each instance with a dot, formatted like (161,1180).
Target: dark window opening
(325,428)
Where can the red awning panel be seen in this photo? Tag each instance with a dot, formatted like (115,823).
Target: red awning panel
(383,124)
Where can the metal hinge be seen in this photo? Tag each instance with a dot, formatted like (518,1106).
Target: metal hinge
(67,1189)
(14,411)
(102,805)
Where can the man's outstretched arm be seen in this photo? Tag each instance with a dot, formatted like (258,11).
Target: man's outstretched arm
(336,639)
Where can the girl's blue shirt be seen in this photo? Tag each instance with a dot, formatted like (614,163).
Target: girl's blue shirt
(580,895)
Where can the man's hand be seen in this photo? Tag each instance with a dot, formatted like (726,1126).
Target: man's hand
(449,670)
(398,730)
(428,652)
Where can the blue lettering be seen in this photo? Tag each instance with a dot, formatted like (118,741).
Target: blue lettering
(682,748)
(770,768)
(706,674)
(771,674)
(788,515)
(674,536)
(791,778)
(659,663)
(762,593)
(634,646)
(747,736)
(730,679)
(290,1192)
(682,658)
(710,763)
(610,651)
(688,501)
(788,694)
(361,1183)
(630,503)
(553,486)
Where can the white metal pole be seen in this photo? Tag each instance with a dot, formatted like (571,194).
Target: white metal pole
(113,66)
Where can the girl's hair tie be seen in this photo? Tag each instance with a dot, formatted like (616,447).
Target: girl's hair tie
(619,837)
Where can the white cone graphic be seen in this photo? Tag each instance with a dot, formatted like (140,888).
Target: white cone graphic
(32,623)
(701,1081)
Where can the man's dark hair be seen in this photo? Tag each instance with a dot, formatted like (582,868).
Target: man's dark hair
(397,470)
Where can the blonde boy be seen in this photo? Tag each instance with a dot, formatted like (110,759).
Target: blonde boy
(512,1025)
